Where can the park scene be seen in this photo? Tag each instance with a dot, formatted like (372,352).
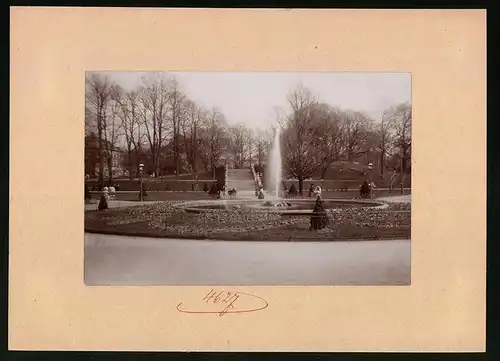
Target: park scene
(247,178)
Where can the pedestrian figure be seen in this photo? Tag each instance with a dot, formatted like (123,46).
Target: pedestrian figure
(103,202)
(232,193)
(112,191)
(364,190)
(261,193)
(372,189)
(213,190)
(319,217)
(292,192)
(311,191)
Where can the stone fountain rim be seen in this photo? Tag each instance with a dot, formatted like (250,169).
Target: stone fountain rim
(190,206)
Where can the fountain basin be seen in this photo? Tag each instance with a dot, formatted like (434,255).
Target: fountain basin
(297,207)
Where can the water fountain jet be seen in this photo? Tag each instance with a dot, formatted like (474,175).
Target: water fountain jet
(274,169)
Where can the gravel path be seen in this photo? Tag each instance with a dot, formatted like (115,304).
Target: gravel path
(118,260)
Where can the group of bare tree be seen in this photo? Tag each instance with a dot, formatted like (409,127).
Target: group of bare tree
(157,122)
(315,135)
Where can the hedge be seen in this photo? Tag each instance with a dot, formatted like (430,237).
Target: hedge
(154,185)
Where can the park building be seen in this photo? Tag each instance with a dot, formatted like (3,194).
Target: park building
(92,157)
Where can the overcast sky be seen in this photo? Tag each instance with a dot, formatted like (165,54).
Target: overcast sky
(252,97)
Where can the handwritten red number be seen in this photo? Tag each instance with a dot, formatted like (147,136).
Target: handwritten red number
(229,306)
(217,298)
(208,296)
(229,299)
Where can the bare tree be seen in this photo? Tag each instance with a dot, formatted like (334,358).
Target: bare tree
(329,135)
(192,133)
(176,104)
(262,141)
(385,139)
(300,146)
(354,131)
(90,119)
(250,145)
(240,144)
(154,97)
(400,122)
(128,112)
(111,135)
(214,138)
(99,92)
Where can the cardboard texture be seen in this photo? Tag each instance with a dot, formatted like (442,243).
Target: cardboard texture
(445,51)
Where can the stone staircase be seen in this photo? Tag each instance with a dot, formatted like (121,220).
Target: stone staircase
(241,179)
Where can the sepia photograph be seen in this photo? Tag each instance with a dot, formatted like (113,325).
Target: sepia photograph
(255,182)
(247,178)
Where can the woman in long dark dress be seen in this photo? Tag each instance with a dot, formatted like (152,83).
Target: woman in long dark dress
(319,217)
(365,190)
(103,202)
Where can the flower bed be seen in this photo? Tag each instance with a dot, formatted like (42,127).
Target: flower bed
(166,220)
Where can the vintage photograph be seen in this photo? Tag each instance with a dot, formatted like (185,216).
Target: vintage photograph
(247,178)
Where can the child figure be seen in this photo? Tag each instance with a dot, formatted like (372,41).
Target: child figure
(112,191)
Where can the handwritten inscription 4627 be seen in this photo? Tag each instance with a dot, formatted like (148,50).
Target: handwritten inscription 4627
(224,302)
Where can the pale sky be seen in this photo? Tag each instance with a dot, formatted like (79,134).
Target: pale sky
(252,97)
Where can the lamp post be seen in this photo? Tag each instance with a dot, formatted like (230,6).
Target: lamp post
(141,195)
(370,167)
(402,171)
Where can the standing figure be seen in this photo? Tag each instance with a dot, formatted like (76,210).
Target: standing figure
(311,191)
(112,191)
(364,190)
(372,189)
(103,202)
(319,217)
(292,192)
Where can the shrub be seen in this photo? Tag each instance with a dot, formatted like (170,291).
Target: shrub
(205,187)
(319,217)
(292,191)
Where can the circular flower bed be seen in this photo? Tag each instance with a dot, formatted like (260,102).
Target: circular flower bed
(169,220)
